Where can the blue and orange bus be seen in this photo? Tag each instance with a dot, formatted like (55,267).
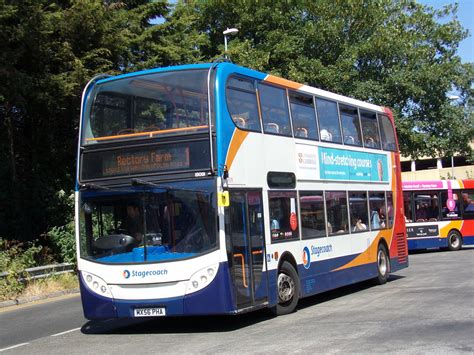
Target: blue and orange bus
(439,213)
(216,189)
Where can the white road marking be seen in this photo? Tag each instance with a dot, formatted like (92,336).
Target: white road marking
(67,331)
(13,347)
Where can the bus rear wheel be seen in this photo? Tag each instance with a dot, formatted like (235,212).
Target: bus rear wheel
(454,240)
(383,265)
(288,289)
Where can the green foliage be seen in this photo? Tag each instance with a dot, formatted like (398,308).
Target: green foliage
(64,241)
(62,238)
(15,258)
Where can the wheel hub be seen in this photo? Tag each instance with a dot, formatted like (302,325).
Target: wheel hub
(286,287)
(382,263)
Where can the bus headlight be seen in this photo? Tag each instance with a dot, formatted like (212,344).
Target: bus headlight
(202,278)
(96,284)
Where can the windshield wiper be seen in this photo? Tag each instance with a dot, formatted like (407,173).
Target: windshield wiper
(90,186)
(140,182)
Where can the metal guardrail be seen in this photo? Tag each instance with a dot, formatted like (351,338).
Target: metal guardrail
(41,272)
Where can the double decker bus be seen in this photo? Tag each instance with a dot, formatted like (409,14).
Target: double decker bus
(216,189)
(439,213)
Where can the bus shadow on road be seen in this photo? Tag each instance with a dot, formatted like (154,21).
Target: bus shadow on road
(197,324)
(342,292)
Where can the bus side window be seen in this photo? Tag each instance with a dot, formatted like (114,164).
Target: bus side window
(377,210)
(446,213)
(283,215)
(387,133)
(274,106)
(350,125)
(312,214)
(242,104)
(407,207)
(370,129)
(336,207)
(328,121)
(358,211)
(468,204)
(303,116)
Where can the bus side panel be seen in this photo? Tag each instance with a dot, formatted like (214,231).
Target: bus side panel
(467,232)
(328,278)
(427,243)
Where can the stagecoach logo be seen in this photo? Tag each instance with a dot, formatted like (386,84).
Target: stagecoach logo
(142,274)
(306,258)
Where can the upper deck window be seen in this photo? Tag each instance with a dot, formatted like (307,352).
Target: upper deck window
(242,104)
(147,106)
(350,125)
(274,105)
(328,121)
(303,116)
(370,129)
(388,135)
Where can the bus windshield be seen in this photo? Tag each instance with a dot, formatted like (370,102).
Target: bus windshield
(153,226)
(146,106)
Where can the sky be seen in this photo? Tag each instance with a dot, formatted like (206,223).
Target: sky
(466,18)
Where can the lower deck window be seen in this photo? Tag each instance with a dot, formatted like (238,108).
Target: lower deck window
(336,205)
(283,215)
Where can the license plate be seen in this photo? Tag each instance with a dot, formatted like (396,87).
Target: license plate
(149,312)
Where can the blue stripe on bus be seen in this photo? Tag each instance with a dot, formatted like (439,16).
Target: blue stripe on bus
(430,243)
(468,240)
(427,243)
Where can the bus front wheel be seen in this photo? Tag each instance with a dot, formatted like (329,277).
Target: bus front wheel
(454,240)
(288,288)
(383,265)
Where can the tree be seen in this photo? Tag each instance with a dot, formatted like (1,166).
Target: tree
(50,49)
(392,53)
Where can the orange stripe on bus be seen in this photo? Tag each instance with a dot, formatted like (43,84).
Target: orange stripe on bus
(143,134)
(237,140)
(283,82)
(443,233)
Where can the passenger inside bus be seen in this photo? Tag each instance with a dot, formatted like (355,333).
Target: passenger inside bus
(326,135)
(375,220)
(422,213)
(301,132)
(240,121)
(468,203)
(370,142)
(359,226)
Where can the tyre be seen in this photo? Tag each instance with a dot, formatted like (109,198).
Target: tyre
(454,240)
(383,265)
(288,289)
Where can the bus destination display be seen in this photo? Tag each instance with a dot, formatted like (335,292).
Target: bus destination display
(143,160)
(119,163)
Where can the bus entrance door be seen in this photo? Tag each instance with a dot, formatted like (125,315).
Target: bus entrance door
(247,244)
